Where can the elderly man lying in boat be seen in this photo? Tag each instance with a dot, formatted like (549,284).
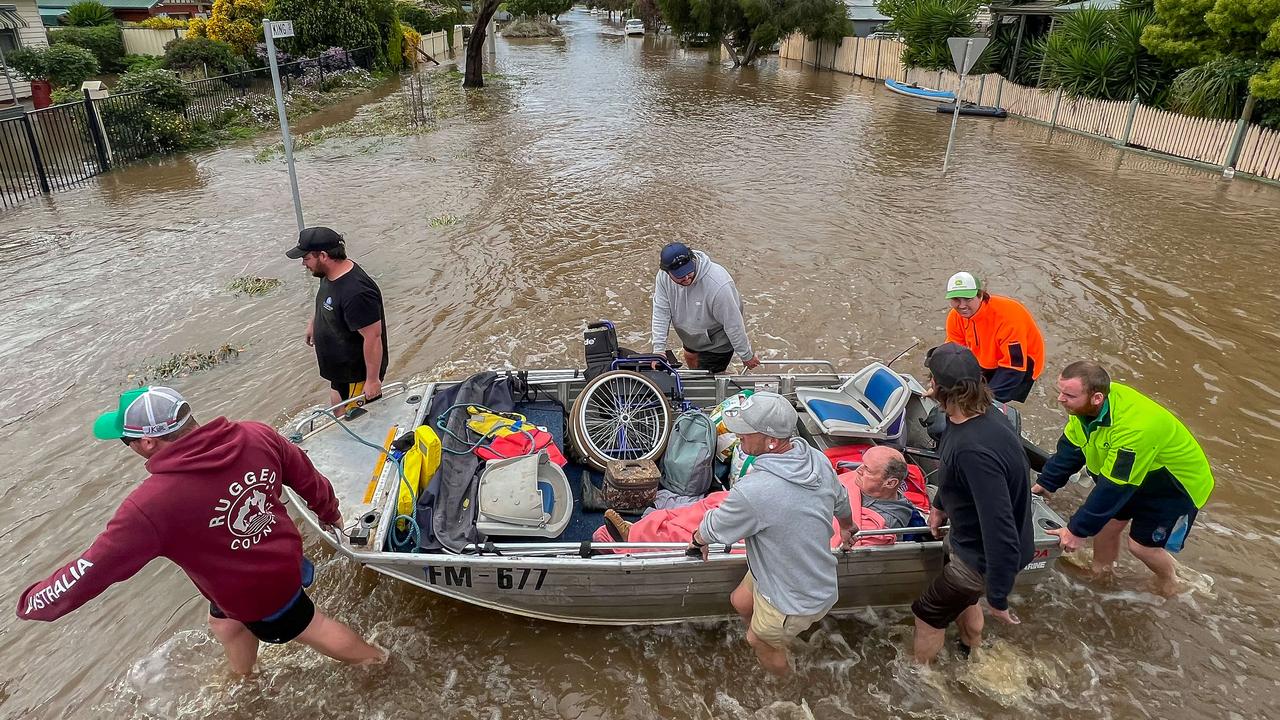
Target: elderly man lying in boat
(888,491)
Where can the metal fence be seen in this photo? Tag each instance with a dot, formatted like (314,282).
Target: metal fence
(19,168)
(59,147)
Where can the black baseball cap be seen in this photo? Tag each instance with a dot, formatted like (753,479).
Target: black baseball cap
(315,239)
(952,364)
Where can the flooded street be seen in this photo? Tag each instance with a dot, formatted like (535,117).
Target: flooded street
(821,194)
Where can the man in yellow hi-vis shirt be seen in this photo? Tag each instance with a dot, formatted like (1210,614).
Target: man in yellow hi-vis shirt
(1150,473)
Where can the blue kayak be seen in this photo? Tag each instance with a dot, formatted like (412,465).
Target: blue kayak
(918,92)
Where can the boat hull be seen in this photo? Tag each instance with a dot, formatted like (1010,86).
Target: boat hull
(918,93)
(635,590)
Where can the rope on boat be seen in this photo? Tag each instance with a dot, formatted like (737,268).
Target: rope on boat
(413,534)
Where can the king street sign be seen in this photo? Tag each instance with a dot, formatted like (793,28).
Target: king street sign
(965,51)
(281,29)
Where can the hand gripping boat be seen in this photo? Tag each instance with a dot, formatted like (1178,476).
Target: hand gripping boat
(544,564)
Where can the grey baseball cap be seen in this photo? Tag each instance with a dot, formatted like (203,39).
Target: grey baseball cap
(143,412)
(764,412)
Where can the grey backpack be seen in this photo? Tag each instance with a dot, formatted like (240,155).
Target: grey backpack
(687,462)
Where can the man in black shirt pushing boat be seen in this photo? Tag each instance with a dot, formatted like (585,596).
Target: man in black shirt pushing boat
(985,494)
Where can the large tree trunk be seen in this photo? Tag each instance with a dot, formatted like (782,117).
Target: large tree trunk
(474,76)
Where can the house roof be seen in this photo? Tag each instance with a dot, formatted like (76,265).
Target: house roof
(1100,4)
(863,10)
(51,10)
(1035,7)
(10,19)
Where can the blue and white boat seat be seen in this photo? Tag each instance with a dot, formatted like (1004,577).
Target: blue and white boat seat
(871,404)
(524,497)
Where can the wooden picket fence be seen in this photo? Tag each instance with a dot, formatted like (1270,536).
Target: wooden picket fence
(1127,123)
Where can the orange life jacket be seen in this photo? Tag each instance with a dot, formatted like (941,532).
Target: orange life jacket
(1002,334)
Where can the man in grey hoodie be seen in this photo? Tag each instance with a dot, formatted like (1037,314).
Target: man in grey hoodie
(700,299)
(783,509)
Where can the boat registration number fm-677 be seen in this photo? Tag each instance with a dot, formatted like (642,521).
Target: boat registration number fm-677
(502,578)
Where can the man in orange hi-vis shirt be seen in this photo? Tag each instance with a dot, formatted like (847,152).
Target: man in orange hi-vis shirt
(1000,332)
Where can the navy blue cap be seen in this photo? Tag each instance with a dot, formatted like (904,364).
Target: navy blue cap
(678,260)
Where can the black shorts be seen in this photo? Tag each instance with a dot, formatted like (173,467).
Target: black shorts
(957,588)
(1159,522)
(712,362)
(283,626)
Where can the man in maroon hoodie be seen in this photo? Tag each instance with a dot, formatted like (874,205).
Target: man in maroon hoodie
(213,506)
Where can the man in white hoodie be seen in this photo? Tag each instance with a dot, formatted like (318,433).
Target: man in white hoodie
(783,510)
(699,298)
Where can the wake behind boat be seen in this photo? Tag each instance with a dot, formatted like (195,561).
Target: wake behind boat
(474,540)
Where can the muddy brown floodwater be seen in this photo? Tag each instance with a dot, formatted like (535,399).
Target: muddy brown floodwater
(821,193)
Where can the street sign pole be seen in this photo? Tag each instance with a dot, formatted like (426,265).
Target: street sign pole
(965,52)
(955,114)
(271,31)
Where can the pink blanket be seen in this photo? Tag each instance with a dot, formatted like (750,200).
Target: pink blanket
(677,525)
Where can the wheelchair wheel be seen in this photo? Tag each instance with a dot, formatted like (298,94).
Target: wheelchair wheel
(620,415)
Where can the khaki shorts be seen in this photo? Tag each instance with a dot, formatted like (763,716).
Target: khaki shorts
(770,624)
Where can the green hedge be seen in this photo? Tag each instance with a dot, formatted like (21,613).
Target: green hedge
(197,53)
(321,24)
(105,42)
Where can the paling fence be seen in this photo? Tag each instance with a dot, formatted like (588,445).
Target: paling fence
(59,147)
(1130,124)
(435,44)
(145,41)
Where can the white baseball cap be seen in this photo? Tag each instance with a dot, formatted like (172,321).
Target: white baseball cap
(143,412)
(963,285)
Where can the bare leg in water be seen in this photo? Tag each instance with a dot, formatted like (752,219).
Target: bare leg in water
(970,624)
(239,644)
(774,660)
(1161,563)
(1106,548)
(330,637)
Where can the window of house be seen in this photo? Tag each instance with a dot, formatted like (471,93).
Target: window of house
(8,40)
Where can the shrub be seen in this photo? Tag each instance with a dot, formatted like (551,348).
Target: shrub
(61,65)
(1216,89)
(63,95)
(1099,53)
(235,22)
(164,90)
(163,22)
(134,63)
(335,59)
(428,18)
(411,39)
(321,24)
(925,26)
(88,13)
(282,58)
(106,43)
(142,127)
(200,52)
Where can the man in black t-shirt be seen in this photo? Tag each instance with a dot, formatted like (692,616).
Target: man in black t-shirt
(349,328)
(985,492)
